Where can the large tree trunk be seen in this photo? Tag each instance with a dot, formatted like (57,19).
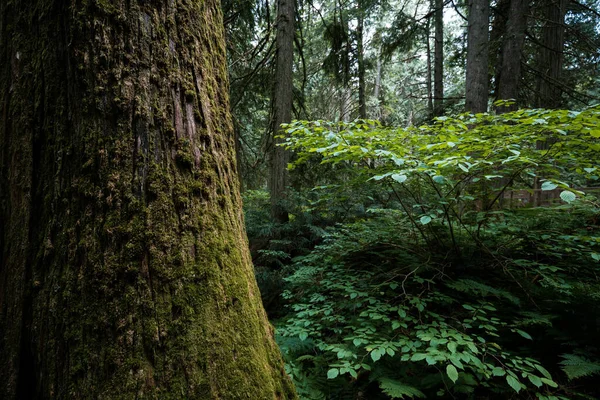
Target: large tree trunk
(282,107)
(438,59)
(124,269)
(510,70)
(550,60)
(477,81)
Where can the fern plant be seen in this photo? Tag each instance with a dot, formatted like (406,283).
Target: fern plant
(576,366)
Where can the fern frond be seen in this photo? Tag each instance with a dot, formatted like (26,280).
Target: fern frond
(397,390)
(578,367)
(478,288)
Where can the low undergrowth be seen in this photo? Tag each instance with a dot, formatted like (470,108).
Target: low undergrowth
(410,270)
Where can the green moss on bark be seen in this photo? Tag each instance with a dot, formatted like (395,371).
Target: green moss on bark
(126,254)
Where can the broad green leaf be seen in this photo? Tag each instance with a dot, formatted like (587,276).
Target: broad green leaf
(543,371)
(375,355)
(399,178)
(549,382)
(535,380)
(332,373)
(567,196)
(547,185)
(425,219)
(524,334)
(452,373)
(452,347)
(418,357)
(514,383)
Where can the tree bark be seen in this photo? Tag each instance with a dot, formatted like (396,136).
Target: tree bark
(124,269)
(438,59)
(512,47)
(551,57)
(428,83)
(377,114)
(362,98)
(282,107)
(477,81)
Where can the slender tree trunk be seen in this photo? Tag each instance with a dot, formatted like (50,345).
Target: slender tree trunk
(345,103)
(377,89)
(362,98)
(477,81)
(550,61)
(438,59)
(282,107)
(430,109)
(510,71)
(124,269)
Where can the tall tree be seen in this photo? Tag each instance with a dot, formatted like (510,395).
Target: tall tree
(360,58)
(282,106)
(551,55)
(477,81)
(511,54)
(124,269)
(438,58)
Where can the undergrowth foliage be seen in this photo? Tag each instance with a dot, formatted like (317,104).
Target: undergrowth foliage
(451,273)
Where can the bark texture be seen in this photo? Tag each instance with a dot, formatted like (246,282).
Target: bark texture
(282,106)
(551,57)
(438,59)
(362,98)
(512,46)
(477,81)
(124,269)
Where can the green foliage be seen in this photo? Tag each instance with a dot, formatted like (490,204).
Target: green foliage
(364,309)
(439,282)
(398,390)
(576,366)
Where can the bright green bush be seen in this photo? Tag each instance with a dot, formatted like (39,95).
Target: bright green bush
(443,286)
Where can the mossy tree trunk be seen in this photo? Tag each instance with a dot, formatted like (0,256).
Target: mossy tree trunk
(124,269)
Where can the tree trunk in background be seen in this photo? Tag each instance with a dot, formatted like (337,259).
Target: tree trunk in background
(377,114)
(362,100)
(438,63)
(498,17)
(345,103)
(124,267)
(477,81)
(510,70)
(430,110)
(550,61)
(282,107)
